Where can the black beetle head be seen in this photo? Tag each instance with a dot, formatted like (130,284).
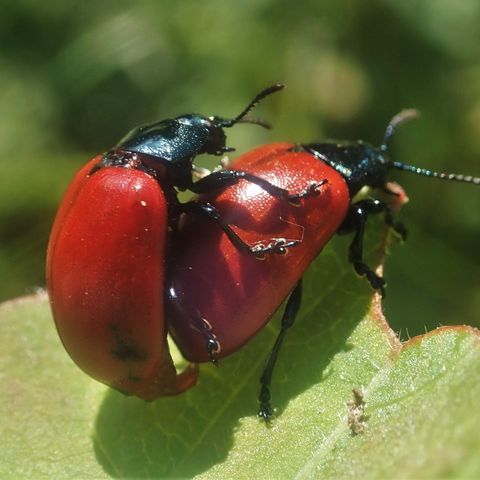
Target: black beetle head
(215,142)
(174,143)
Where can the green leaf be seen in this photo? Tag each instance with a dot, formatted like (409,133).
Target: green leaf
(420,415)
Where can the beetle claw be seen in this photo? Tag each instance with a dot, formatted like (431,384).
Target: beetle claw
(277,245)
(265,412)
(377,283)
(213,348)
(311,191)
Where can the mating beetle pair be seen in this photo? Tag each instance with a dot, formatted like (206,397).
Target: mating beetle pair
(123,260)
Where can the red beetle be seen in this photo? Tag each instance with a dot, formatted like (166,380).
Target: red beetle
(218,297)
(236,294)
(109,246)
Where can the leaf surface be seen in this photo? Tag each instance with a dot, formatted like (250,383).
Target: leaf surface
(420,415)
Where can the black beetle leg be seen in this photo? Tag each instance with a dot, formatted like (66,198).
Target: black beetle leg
(355,221)
(276,245)
(311,191)
(199,323)
(213,345)
(293,305)
(225,178)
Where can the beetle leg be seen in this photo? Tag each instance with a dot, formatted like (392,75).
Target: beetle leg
(198,323)
(276,245)
(293,305)
(213,345)
(311,191)
(226,178)
(355,221)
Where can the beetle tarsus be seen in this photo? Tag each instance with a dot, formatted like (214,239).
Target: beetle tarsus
(279,246)
(213,348)
(311,191)
(265,412)
(376,282)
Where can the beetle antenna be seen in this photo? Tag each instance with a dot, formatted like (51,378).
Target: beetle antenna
(455,177)
(256,121)
(260,96)
(405,116)
(399,119)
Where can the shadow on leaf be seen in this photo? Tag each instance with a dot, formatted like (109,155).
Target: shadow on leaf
(186,435)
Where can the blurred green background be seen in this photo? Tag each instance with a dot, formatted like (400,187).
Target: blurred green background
(75,76)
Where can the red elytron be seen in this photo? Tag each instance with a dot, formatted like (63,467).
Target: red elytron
(215,289)
(105,277)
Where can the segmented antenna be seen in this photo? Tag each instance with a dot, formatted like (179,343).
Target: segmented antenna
(455,177)
(256,121)
(405,116)
(260,96)
(399,119)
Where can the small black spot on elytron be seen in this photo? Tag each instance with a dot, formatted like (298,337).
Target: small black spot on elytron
(127,352)
(123,348)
